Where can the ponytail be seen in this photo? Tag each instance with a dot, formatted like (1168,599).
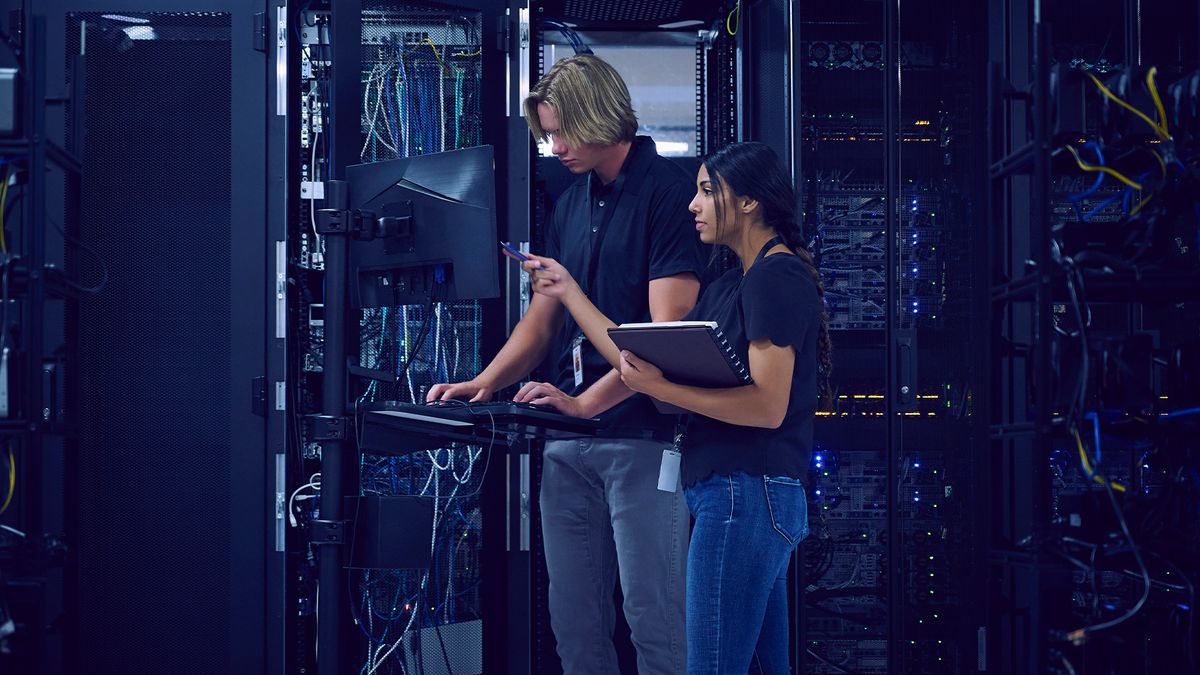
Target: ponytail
(790,233)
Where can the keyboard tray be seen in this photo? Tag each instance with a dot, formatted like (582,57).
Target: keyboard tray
(397,427)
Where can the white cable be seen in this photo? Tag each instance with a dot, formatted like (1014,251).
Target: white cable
(14,531)
(412,354)
(366,102)
(370,616)
(312,193)
(405,347)
(380,97)
(405,633)
(396,127)
(379,659)
(903,474)
(471,459)
(433,455)
(375,116)
(442,104)
(445,355)
(457,354)
(437,335)
(400,107)
(428,480)
(315,484)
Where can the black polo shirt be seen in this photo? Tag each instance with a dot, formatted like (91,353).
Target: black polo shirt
(777,300)
(643,230)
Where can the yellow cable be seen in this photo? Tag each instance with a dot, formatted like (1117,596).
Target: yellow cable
(1087,466)
(1104,90)
(474,53)
(1162,112)
(738,10)
(12,480)
(1161,163)
(435,51)
(3,199)
(1112,172)
(1134,210)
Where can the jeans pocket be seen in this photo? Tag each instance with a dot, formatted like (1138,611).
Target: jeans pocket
(788,506)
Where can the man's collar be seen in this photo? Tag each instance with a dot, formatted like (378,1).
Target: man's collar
(637,162)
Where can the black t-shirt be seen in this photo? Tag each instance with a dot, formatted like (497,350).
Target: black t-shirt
(644,231)
(776,299)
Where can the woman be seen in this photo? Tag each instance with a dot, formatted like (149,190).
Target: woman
(745,448)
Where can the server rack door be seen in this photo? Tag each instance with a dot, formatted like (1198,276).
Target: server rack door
(843,187)
(939,127)
(172,504)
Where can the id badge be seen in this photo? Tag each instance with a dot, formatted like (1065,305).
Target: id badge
(668,471)
(577,361)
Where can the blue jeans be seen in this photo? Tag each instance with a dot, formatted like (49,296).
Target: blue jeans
(603,516)
(737,613)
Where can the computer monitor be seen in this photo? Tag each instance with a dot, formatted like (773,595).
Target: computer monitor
(428,229)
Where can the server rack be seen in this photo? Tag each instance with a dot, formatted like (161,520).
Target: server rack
(428,72)
(890,132)
(1051,349)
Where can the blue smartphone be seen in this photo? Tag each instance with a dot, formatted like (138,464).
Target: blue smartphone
(513,251)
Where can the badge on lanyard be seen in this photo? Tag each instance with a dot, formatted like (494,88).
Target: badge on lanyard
(577,360)
(668,471)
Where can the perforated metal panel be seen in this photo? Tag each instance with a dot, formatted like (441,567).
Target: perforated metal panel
(617,10)
(155,454)
(624,15)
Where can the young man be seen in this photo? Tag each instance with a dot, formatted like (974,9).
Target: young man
(625,226)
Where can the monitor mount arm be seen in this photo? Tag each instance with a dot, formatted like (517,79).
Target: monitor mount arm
(364,225)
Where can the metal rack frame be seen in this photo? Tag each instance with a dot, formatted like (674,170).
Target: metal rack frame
(36,419)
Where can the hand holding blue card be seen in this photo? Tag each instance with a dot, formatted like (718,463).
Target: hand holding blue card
(513,252)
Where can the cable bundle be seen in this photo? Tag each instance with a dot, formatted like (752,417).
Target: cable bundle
(1139,536)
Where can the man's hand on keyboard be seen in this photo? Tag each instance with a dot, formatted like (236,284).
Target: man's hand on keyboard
(546,394)
(472,391)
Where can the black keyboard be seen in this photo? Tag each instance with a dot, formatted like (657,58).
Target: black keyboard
(398,427)
(489,405)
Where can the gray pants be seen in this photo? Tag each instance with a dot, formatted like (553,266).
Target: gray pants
(602,513)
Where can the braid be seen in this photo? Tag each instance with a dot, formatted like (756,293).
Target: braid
(790,233)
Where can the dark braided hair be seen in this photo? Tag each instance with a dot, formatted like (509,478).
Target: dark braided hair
(753,170)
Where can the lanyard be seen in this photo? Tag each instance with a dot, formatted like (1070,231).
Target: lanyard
(762,253)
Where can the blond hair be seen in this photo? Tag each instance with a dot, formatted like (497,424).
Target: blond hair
(590,99)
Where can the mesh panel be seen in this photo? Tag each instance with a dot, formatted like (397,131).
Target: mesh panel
(622,10)
(721,88)
(155,346)
(421,86)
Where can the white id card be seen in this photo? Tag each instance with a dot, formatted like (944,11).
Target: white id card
(668,471)
(577,361)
